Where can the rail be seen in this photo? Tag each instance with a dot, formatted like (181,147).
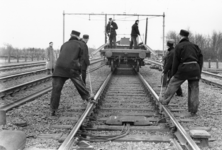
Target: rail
(33,96)
(204,72)
(191,144)
(68,142)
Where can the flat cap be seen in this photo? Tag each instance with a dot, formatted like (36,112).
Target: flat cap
(76,33)
(184,33)
(85,36)
(110,18)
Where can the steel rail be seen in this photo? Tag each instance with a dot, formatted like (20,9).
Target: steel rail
(19,67)
(212,74)
(185,135)
(20,64)
(32,96)
(40,70)
(21,74)
(68,142)
(204,72)
(17,88)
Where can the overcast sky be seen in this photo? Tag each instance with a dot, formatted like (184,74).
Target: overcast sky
(34,23)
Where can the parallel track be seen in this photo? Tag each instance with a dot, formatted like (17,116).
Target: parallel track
(17,88)
(204,78)
(29,73)
(21,66)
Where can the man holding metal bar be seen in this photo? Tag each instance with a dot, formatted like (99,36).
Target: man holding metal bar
(68,66)
(187,65)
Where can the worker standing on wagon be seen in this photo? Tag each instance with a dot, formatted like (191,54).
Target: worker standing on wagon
(85,61)
(167,66)
(68,66)
(187,65)
(50,58)
(111,32)
(134,34)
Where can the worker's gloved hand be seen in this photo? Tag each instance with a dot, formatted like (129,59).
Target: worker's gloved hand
(111,26)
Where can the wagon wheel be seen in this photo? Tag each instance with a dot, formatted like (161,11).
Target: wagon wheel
(137,66)
(112,65)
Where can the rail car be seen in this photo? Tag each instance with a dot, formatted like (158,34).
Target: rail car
(123,57)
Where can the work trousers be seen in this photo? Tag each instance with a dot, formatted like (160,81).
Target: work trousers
(193,92)
(57,85)
(133,42)
(165,81)
(112,41)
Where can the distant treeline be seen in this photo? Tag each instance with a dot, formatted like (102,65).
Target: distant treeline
(9,52)
(211,45)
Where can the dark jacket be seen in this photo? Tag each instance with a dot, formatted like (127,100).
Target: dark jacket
(111,30)
(85,59)
(186,52)
(70,56)
(135,30)
(168,61)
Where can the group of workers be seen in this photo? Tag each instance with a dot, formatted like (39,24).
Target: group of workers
(111,28)
(72,64)
(184,62)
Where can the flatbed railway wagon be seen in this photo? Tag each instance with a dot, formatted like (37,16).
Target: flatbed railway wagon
(123,57)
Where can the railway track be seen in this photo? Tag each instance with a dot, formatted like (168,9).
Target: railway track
(28,65)
(125,100)
(21,66)
(13,90)
(126,105)
(206,77)
(29,73)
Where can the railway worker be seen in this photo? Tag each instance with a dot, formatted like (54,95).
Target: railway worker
(187,65)
(167,66)
(50,58)
(134,35)
(85,62)
(68,66)
(111,28)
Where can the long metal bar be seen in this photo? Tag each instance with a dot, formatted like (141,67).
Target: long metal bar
(63,26)
(189,140)
(146,31)
(21,74)
(21,64)
(112,14)
(67,144)
(163,32)
(105,29)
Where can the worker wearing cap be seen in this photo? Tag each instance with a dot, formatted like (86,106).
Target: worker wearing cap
(111,28)
(167,66)
(85,61)
(68,66)
(187,65)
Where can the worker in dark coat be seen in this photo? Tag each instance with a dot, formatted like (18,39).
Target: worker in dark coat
(167,66)
(187,65)
(111,28)
(85,61)
(134,34)
(68,66)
